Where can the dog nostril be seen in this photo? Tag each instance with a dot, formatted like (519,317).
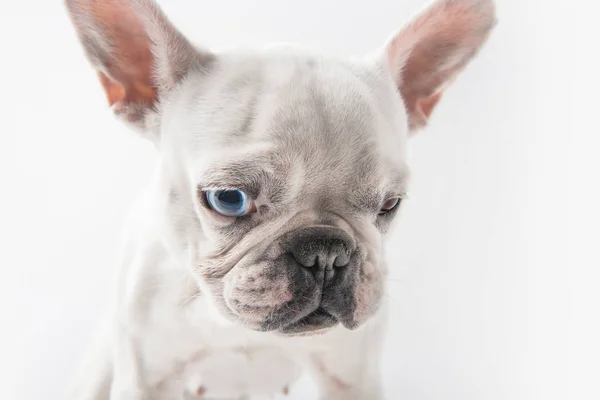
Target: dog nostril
(320,248)
(340,254)
(341,260)
(322,254)
(308,260)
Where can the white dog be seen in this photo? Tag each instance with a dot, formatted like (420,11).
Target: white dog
(257,251)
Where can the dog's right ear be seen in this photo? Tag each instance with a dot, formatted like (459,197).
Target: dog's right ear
(137,52)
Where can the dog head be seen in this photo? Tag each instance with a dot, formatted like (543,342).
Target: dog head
(281,172)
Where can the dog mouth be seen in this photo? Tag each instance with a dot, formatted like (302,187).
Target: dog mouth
(316,322)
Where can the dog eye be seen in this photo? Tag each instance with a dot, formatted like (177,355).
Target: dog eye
(230,203)
(389,205)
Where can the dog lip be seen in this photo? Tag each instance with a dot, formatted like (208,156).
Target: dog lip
(316,322)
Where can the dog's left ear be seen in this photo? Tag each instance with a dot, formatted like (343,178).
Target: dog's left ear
(137,52)
(427,54)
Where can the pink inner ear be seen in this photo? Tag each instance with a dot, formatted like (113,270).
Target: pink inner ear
(136,92)
(434,48)
(114,92)
(427,104)
(128,60)
(136,52)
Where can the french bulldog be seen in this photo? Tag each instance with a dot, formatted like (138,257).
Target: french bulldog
(257,252)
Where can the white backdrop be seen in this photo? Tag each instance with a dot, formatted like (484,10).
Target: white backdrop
(493,286)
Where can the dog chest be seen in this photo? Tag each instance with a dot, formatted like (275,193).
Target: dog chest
(231,373)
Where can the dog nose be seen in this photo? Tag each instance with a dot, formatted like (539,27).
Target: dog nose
(322,247)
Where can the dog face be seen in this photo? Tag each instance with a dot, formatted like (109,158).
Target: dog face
(300,147)
(281,172)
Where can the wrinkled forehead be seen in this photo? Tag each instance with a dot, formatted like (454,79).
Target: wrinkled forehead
(324,123)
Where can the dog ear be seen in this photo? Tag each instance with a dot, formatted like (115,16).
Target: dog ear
(137,52)
(426,55)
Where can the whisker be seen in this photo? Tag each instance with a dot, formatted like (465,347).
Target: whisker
(397,301)
(191,298)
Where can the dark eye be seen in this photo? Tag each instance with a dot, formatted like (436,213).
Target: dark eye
(230,203)
(389,205)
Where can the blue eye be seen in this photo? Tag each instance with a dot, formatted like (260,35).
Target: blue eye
(230,203)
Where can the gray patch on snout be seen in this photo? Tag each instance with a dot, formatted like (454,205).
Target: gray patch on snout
(339,297)
(321,247)
(318,301)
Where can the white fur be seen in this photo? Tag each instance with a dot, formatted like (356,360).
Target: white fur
(167,335)
(198,348)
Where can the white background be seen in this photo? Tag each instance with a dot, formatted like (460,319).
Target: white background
(495,286)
